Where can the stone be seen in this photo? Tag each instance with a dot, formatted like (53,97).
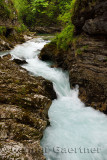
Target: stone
(24,105)
(19,61)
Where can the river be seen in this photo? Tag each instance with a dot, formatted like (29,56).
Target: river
(75,132)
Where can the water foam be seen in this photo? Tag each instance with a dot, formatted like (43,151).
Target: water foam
(76,132)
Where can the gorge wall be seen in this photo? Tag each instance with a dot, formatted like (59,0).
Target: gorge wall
(86,57)
(24,104)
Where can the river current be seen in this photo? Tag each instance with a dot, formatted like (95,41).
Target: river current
(76,132)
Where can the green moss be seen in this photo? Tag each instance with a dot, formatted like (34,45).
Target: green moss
(78,51)
(2,30)
(81,50)
(85,47)
(75,41)
(64,39)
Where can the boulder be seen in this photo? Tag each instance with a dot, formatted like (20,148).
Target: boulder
(19,61)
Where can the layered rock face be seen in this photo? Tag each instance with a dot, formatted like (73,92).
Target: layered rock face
(86,58)
(89,65)
(24,104)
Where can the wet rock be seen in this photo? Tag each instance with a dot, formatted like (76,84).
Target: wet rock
(4,45)
(49,89)
(47,52)
(19,61)
(50,53)
(24,105)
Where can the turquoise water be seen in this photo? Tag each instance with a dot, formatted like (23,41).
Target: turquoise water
(76,132)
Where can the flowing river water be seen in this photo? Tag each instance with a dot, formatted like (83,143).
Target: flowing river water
(76,132)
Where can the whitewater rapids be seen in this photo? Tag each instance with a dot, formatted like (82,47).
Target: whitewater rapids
(76,132)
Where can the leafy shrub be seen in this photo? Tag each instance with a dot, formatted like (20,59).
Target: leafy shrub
(42,12)
(64,39)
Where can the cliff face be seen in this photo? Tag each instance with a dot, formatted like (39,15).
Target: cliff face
(9,25)
(86,58)
(90,16)
(24,104)
(88,64)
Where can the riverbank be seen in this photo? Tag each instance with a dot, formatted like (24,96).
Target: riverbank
(14,38)
(24,104)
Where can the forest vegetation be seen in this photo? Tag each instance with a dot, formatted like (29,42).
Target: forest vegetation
(31,13)
(48,13)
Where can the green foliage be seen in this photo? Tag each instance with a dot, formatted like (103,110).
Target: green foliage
(22,8)
(2,30)
(66,14)
(64,39)
(8,12)
(21,28)
(5,10)
(45,13)
(39,6)
(28,10)
(42,12)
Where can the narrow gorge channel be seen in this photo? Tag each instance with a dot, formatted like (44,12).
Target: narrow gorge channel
(75,132)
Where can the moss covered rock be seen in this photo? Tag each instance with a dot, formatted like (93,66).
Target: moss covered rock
(11,30)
